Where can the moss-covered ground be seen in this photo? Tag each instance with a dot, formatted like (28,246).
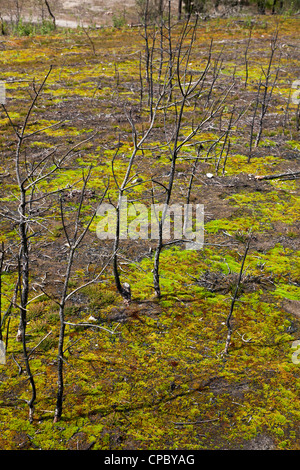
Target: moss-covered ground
(160,381)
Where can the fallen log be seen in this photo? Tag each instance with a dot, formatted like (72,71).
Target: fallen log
(293,174)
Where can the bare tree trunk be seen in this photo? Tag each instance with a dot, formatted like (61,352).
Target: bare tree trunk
(246,56)
(273,6)
(253,121)
(188,91)
(298,117)
(73,243)
(160,7)
(1,269)
(156,282)
(267,94)
(50,13)
(23,260)
(60,358)
(228,320)
(28,175)
(124,289)
(179,9)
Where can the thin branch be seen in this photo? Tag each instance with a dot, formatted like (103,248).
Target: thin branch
(43,339)
(58,163)
(92,281)
(91,325)
(21,136)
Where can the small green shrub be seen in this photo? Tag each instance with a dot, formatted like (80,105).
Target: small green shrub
(23,28)
(119,20)
(98,297)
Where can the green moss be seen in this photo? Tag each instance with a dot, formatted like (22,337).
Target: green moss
(288,292)
(269,207)
(99,297)
(235,224)
(294,144)
(239,163)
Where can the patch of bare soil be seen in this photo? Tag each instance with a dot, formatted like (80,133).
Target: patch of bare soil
(291,306)
(95,12)
(73,13)
(261,442)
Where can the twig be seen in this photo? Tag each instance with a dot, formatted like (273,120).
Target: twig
(29,354)
(183,423)
(19,367)
(91,325)
(89,38)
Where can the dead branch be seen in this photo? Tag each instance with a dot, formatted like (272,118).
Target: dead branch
(289,175)
(91,325)
(40,342)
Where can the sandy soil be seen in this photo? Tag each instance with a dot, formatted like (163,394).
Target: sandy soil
(72,13)
(97,12)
